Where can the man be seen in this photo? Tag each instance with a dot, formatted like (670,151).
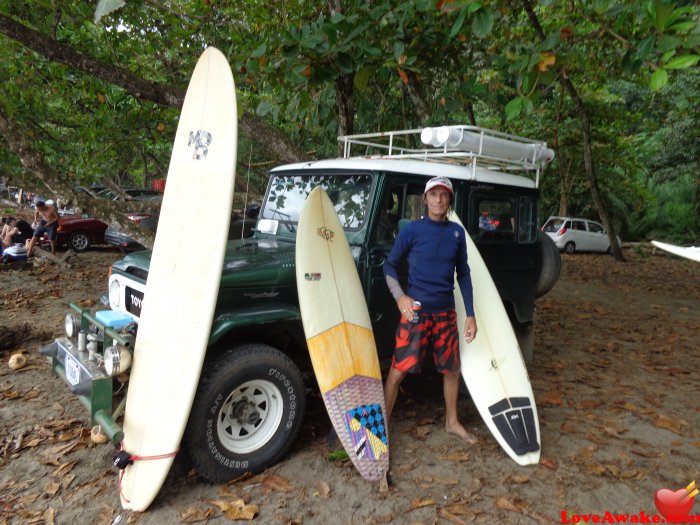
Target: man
(18,232)
(435,247)
(48,224)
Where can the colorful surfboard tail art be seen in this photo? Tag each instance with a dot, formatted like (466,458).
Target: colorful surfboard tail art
(201,180)
(493,367)
(339,336)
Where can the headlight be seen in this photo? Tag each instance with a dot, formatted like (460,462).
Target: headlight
(72,326)
(117,360)
(114,295)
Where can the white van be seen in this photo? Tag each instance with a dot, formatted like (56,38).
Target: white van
(577,235)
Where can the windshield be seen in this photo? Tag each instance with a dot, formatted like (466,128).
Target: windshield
(348,193)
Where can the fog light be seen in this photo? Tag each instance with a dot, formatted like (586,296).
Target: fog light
(72,326)
(114,295)
(117,360)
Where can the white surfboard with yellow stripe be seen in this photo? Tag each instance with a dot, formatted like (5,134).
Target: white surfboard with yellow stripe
(339,336)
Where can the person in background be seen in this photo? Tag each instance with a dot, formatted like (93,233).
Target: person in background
(46,218)
(5,227)
(435,248)
(18,232)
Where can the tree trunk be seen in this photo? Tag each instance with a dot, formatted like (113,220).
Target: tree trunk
(344,91)
(470,113)
(344,94)
(420,106)
(587,148)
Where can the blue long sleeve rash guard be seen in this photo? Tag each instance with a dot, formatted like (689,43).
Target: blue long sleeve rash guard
(435,250)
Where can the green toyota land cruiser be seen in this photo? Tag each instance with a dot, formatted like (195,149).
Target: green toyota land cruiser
(250,401)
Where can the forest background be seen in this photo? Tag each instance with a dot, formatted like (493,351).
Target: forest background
(91,92)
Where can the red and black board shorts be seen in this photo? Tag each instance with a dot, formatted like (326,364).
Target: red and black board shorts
(437,331)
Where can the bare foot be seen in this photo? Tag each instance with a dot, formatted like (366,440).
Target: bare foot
(458,430)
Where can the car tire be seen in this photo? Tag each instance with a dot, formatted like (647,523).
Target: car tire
(79,241)
(551,265)
(247,411)
(570,247)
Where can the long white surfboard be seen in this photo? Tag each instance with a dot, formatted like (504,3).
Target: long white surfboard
(493,367)
(179,302)
(689,252)
(339,336)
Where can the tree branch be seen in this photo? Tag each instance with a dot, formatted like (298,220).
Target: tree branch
(160,93)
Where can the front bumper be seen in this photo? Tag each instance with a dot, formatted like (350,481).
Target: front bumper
(80,365)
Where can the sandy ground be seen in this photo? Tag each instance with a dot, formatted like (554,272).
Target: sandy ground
(614,375)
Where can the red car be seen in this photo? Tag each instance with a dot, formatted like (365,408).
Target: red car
(79,233)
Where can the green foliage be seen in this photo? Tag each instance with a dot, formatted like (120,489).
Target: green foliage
(465,57)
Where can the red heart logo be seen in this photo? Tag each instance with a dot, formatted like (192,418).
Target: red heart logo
(673,506)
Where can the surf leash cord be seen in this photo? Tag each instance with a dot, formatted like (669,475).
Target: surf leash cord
(123,459)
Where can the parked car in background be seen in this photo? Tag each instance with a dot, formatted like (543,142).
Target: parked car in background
(79,233)
(138,194)
(577,235)
(241,227)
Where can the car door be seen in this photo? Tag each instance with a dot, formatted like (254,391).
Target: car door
(580,235)
(598,237)
(399,202)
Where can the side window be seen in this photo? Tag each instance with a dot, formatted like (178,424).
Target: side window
(389,215)
(527,220)
(594,227)
(401,204)
(579,225)
(495,216)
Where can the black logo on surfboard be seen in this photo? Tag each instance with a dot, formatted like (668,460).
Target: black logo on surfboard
(199,141)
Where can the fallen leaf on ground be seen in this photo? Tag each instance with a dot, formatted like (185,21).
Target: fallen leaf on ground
(647,453)
(418,503)
(569,427)
(52,488)
(674,425)
(276,483)
(237,509)
(447,515)
(549,463)
(49,516)
(64,469)
(421,432)
(195,514)
(518,479)
(516,505)
(460,509)
(590,404)
(457,457)
(323,489)
(552,398)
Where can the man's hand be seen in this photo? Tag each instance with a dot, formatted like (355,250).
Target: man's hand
(470,329)
(405,304)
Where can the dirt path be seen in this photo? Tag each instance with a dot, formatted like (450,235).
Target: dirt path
(617,353)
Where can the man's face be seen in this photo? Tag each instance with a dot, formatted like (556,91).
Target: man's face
(438,200)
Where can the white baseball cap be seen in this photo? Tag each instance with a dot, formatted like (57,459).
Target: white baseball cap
(439,181)
(49,202)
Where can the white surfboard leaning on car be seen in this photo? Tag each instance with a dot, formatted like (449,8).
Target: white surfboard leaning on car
(179,304)
(689,252)
(493,366)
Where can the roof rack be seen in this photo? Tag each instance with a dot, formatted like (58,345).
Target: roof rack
(468,146)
